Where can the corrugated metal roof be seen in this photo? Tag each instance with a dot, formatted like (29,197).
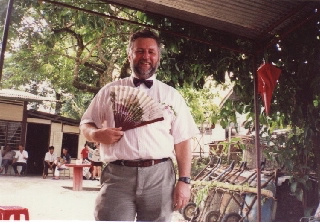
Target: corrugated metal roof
(23,96)
(255,20)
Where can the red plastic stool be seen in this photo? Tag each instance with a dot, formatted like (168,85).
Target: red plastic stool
(7,211)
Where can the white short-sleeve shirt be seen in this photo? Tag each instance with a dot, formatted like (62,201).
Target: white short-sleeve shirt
(50,157)
(21,155)
(151,141)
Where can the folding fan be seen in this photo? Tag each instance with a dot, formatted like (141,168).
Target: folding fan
(133,108)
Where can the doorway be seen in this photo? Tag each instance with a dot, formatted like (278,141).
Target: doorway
(37,143)
(71,141)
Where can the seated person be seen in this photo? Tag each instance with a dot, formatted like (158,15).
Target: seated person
(7,159)
(20,159)
(60,163)
(49,163)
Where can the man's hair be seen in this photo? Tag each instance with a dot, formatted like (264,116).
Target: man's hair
(51,147)
(66,148)
(144,33)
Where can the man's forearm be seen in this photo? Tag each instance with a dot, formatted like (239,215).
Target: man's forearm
(101,135)
(87,130)
(184,156)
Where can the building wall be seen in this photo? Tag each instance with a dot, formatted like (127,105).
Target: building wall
(11,111)
(56,137)
(40,121)
(70,129)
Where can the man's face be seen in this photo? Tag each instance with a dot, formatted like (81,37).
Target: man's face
(144,57)
(51,151)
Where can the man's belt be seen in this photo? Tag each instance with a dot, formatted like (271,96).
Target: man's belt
(139,163)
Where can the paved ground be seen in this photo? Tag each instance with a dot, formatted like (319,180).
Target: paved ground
(48,199)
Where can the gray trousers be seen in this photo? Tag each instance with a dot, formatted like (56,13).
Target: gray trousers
(136,193)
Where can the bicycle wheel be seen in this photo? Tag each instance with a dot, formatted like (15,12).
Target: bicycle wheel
(231,217)
(190,211)
(211,216)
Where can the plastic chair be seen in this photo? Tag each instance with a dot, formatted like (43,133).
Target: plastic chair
(64,170)
(16,211)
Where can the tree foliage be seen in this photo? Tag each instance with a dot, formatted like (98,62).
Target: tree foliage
(201,103)
(76,50)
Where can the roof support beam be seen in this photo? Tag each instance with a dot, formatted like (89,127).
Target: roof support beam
(5,37)
(257,135)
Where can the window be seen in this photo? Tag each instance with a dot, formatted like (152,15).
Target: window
(10,133)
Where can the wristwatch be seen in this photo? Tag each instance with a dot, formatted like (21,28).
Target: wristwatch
(185,179)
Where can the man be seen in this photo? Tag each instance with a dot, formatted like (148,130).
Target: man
(60,163)
(49,161)
(7,159)
(65,155)
(21,158)
(140,180)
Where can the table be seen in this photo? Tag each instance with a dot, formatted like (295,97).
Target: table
(77,175)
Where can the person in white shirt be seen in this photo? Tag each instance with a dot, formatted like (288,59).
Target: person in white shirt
(20,159)
(49,162)
(140,179)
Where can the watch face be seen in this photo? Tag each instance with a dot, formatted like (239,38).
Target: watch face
(185,179)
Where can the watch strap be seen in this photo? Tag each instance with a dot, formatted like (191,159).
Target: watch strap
(185,179)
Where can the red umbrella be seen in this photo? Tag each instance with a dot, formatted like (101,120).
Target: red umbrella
(268,75)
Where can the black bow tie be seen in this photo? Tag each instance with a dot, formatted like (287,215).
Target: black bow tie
(137,82)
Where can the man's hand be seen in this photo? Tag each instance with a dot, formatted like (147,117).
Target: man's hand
(104,135)
(181,195)
(107,135)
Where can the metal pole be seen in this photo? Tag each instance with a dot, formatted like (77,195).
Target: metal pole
(5,37)
(257,138)
(229,140)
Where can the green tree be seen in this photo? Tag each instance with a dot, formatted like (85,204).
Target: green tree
(201,103)
(75,52)
(93,47)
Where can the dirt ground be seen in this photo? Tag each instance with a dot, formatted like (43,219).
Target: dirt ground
(52,200)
